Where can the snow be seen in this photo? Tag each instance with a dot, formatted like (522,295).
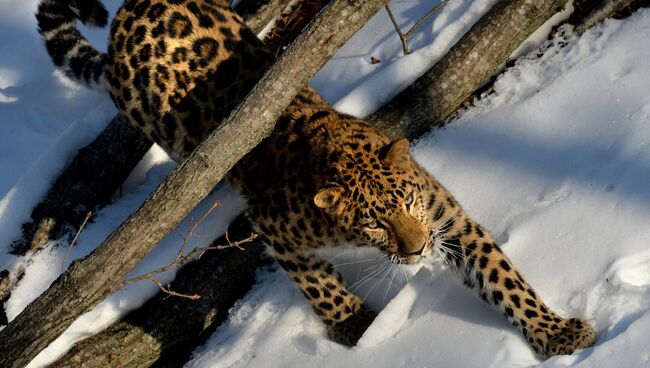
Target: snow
(555,163)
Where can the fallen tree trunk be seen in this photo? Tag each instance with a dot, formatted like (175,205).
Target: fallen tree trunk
(469,64)
(90,280)
(83,185)
(165,330)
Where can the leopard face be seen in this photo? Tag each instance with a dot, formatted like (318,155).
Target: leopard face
(383,200)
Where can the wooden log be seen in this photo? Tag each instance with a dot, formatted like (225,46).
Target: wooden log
(469,64)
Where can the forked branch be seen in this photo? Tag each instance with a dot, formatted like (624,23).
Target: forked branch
(404,37)
(193,255)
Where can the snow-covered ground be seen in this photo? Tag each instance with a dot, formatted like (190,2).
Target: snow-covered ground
(556,163)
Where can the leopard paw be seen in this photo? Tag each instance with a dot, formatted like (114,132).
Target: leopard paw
(349,331)
(573,334)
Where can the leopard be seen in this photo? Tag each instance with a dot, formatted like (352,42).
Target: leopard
(322,180)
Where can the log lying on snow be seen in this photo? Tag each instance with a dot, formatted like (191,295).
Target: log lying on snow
(477,56)
(469,64)
(90,280)
(165,330)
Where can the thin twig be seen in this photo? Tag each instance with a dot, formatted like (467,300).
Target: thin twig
(195,254)
(74,240)
(404,37)
(193,227)
(172,292)
(423,19)
(401,35)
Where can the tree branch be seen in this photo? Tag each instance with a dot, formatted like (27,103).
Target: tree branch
(404,37)
(74,241)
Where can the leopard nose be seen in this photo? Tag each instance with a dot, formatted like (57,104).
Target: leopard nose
(404,252)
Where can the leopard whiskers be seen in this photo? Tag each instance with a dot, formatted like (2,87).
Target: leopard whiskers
(355,262)
(376,270)
(383,260)
(390,282)
(390,267)
(450,248)
(443,256)
(407,278)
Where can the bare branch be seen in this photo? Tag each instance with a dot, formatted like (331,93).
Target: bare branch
(182,259)
(404,37)
(171,292)
(74,240)
(193,228)
(193,255)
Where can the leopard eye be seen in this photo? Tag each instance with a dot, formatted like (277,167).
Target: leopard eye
(372,224)
(409,199)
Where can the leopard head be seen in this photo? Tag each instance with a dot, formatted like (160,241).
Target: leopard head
(382,198)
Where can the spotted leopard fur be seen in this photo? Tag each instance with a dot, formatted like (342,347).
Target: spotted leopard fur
(321,180)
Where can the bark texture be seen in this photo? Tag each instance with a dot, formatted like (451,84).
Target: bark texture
(264,14)
(165,330)
(469,64)
(90,280)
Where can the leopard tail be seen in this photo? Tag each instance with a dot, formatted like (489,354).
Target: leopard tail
(69,50)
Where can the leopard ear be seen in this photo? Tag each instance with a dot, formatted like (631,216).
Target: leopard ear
(328,197)
(397,153)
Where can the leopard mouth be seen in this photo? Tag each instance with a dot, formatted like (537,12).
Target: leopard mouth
(413,257)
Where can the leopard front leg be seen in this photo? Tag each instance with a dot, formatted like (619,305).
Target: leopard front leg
(344,314)
(484,268)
